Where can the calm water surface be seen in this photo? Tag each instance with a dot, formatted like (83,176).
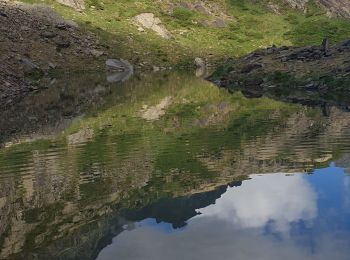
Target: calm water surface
(271,216)
(171,167)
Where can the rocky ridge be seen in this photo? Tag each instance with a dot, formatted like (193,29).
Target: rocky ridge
(339,8)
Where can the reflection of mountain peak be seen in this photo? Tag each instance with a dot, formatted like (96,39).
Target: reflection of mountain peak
(177,210)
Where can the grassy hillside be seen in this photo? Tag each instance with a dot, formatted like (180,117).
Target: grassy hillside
(247,26)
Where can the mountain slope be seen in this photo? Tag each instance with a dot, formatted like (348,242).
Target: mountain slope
(210,29)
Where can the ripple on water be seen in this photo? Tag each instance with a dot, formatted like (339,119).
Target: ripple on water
(65,197)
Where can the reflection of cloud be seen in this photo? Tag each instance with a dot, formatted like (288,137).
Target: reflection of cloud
(232,228)
(207,239)
(268,198)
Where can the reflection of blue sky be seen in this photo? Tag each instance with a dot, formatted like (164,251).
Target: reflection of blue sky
(269,217)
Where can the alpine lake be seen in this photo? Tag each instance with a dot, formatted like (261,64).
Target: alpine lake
(168,166)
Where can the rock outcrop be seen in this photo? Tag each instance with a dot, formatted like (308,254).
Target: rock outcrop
(336,7)
(150,21)
(314,75)
(340,8)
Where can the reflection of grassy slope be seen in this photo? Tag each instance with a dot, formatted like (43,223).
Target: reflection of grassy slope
(250,26)
(177,139)
(119,130)
(122,124)
(122,139)
(178,156)
(193,99)
(20,155)
(177,149)
(187,92)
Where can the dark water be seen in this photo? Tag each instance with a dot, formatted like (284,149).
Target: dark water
(171,167)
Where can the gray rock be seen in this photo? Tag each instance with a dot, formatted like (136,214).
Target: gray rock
(62,26)
(325,45)
(25,28)
(118,64)
(199,62)
(347,69)
(311,86)
(149,21)
(96,53)
(219,23)
(205,23)
(201,8)
(28,65)
(345,43)
(201,72)
(155,68)
(185,5)
(250,67)
(48,34)
(52,65)
(62,43)
(3,14)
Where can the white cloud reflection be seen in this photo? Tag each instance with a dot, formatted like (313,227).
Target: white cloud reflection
(265,198)
(233,228)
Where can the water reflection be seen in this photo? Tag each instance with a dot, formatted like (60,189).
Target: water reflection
(265,199)
(113,173)
(298,222)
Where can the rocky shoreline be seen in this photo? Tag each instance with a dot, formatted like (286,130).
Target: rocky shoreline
(313,75)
